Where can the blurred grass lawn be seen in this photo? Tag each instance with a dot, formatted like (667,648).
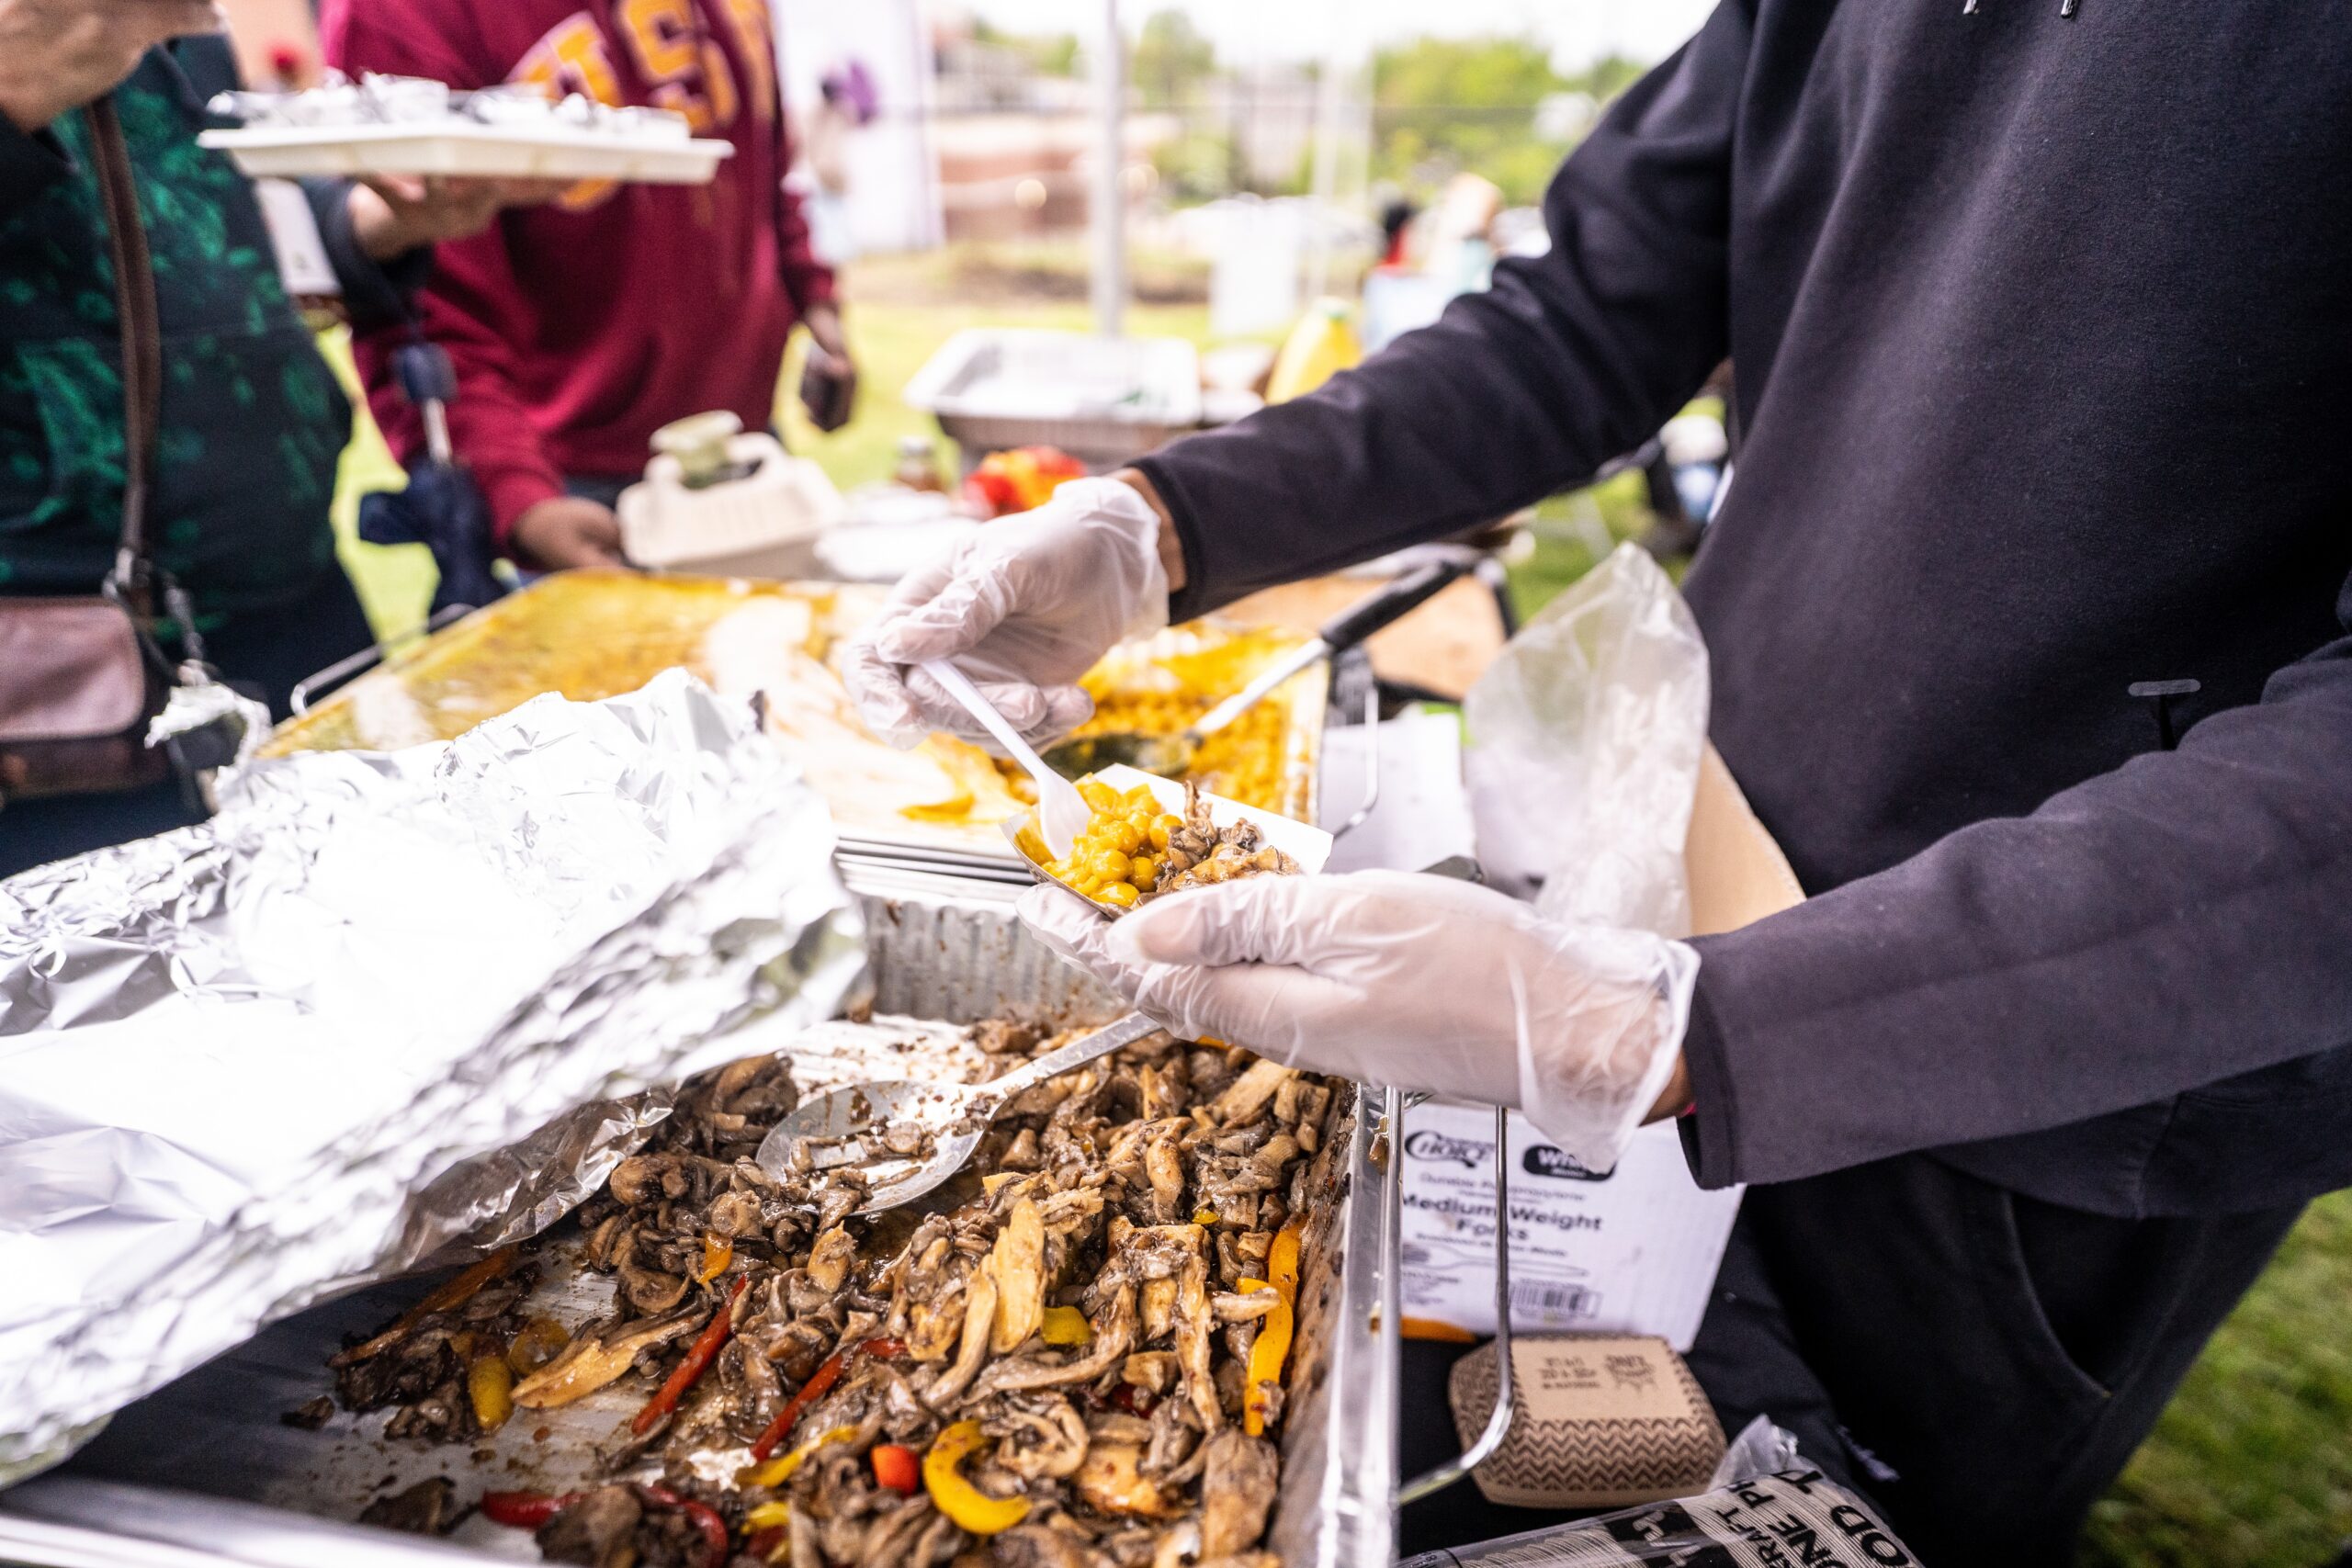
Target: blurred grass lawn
(2252,1465)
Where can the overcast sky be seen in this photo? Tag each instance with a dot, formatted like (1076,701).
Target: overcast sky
(1247,30)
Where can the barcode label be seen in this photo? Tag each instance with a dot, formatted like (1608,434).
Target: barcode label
(1554,1300)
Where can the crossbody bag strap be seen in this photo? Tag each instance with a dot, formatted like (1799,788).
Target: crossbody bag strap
(142,349)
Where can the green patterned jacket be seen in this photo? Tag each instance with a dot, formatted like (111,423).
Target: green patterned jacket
(254,422)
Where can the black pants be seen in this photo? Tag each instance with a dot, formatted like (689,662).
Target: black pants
(1980,1364)
(264,653)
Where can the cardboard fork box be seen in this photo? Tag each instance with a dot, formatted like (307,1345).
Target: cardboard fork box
(1633,1251)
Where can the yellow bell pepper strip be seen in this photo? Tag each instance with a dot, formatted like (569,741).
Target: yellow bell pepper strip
(539,1341)
(779,1470)
(716,1256)
(1066,1326)
(971,1508)
(459,1291)
(1271,1347)
(699,1356)
(490,1382)
(768,1516)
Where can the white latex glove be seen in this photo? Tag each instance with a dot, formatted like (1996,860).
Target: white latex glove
(1417,981)
(1024,606)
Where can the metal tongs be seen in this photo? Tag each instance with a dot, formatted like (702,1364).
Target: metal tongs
(1392,1329)
(1171,756)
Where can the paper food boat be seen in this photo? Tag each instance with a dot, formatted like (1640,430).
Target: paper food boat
(1310,846)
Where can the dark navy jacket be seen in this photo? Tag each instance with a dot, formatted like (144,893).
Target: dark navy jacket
(2041,331)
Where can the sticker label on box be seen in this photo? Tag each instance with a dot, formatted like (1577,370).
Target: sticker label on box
(1632,1252)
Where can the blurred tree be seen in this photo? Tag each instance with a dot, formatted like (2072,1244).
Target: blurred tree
(1172,60)
(1447,106)
(1048,55)
(1195,166)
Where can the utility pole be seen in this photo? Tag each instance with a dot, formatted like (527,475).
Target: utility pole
(1331,106)
(1107,209)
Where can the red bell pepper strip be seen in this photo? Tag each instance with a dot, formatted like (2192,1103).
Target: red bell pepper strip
(763,1544)
(529,1510)
(897,1469)
(819,1384)
(716,1548)
(525,1510)
(699,1356)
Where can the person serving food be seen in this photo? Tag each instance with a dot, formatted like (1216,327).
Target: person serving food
(2054,728)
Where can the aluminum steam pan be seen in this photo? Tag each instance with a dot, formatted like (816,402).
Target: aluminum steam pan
(204,1474)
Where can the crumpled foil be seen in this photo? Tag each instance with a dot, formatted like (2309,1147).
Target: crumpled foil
(253,1062)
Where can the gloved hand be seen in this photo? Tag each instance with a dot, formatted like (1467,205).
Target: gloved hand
(1414,981)
(1024,606)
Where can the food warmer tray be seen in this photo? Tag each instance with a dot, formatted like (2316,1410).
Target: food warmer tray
(589,635)
(204,1474)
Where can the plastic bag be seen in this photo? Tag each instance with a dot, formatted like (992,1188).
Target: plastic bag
(1586,735)
(1750,1517)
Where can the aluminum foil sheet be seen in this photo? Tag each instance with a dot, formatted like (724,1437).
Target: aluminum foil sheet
(252,1064)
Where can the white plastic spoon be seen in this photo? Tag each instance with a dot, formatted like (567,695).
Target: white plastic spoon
(1061,810)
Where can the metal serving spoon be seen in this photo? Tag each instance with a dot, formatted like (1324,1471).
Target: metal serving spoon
(908,1137)
(1171,756)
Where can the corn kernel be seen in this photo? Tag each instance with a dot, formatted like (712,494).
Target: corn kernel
(1123,894)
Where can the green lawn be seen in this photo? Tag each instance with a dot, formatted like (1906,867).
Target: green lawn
(2251,1467)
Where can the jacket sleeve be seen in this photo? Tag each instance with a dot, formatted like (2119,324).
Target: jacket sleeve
(377,294)
(473,306)
(1568,360)
(2177,922)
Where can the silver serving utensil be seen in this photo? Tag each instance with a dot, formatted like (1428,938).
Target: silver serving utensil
(908,1137)
(1171,756)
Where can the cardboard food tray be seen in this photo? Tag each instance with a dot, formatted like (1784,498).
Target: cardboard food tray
(203,1474)
(489,152)
(589,635)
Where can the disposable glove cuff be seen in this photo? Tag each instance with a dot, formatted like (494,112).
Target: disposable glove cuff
(1591,1066)
(1113,504)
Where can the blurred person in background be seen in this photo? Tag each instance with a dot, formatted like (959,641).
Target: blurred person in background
(252,423)
(845,102)
(581,327)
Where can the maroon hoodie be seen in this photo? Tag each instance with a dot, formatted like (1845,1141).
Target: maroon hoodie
(580,327)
